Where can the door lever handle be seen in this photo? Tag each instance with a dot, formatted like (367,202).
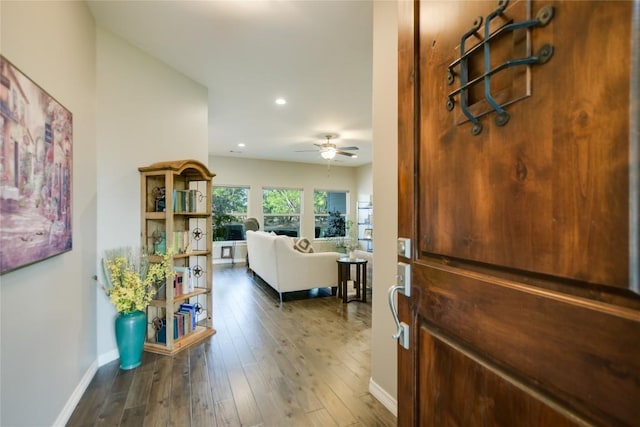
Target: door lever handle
(394,310)
(402,332)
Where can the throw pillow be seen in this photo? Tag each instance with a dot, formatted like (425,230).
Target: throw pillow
(303,245)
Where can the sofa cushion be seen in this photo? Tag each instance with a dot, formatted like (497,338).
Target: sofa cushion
(303,245)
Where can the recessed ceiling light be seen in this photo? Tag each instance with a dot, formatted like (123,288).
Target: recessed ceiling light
(281,101)
(241,144)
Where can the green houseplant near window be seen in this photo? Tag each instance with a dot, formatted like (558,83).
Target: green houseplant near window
(335,225)
(132,282)
(219,221)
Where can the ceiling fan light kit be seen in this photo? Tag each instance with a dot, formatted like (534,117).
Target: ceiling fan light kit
(328,150)
(328,154)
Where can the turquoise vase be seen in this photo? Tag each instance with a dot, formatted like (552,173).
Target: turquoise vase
(130,331)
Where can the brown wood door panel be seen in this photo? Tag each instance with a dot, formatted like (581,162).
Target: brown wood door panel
(406,125)
(548,192)
(460,391)
(577,351)
(406,219)
(521,311)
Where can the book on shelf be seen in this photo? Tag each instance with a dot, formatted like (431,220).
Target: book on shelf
(187,325)
(177,282)
(183,324)
(199,190)
(185,200)
(186,279)
(180,322)
(161,336)
(192,310)
(181,242)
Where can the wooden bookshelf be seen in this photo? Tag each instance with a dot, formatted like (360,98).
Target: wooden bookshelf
(176,216)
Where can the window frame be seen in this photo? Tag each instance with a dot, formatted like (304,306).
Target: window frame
(266,216)
(240,216)
(345,214)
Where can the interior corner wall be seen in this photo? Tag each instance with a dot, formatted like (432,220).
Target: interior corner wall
(146,112)
(47,309)
(364,176)
(385,187)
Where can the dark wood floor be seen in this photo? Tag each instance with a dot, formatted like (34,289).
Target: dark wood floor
(305,364)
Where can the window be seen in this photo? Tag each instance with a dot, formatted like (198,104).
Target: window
(229,205)
(330,210)
(281,210)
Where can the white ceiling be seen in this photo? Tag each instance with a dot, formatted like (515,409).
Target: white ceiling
(315,54)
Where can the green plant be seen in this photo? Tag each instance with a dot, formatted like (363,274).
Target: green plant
(350,241)
(219,221)
(132,279)
(335,225)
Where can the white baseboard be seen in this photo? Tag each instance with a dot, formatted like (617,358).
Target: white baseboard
(383,397)
(107,357)
(219,261)
(75,397)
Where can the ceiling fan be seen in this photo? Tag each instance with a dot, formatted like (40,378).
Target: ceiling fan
(328,150)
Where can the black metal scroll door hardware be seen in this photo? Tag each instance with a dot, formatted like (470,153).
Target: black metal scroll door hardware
(543,55)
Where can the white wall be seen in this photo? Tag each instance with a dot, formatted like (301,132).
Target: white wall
(47,310)
(147,112)
(385,186)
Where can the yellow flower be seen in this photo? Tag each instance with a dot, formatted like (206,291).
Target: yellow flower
(132,279)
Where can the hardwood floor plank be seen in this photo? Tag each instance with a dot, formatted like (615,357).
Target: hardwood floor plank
(303,392)
(202,408)
(245,402)
(386,418)
(133,417)
(305,363)
(246,405)
(180,400)
(226,414)
(157,413)
(333,404)
(321,418)
(266,399)
(218,378)
(122,381)
(111,413)
(140,388)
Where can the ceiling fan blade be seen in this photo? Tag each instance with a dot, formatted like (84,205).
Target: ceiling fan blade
(344,153)
(321,145)
(348,148)
(306,151)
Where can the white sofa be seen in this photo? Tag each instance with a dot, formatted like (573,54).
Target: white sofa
(285,269)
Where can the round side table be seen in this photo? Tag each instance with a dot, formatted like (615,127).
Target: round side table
(344,275)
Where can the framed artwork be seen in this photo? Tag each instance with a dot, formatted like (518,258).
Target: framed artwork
(367,234)
(226,252)
(36,139)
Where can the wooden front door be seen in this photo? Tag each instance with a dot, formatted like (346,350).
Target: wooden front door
(524,307)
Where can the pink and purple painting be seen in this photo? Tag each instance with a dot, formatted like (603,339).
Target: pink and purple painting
(36,135)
